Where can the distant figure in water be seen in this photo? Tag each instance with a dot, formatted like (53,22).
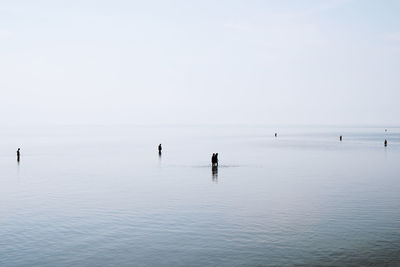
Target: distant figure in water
(214,159)
(385,130)
(340,138)
(159,149)
(276,135)
(18,153)
(385,143)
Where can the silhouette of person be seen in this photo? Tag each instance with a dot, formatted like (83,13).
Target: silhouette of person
(385,143)
(214,159)
(340,138)
(276,135)
(18,153)
(159,148)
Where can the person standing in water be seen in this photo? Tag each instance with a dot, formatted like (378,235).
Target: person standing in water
(385,143)
(340,138)
(214,159)
(18,153)
(159,148)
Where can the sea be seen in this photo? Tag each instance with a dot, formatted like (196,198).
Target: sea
(102,195)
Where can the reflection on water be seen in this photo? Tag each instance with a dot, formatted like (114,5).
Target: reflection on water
(214,171)
(95,196)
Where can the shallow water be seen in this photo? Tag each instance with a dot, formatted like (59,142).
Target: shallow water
(102,196)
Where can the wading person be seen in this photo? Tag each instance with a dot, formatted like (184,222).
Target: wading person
(214,159)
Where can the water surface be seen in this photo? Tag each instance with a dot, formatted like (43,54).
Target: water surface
(102,196)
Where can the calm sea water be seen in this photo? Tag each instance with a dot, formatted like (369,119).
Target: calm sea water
(102,196)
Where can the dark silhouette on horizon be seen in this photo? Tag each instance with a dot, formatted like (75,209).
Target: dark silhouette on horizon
(159,150)
(18,154)
(385,143)
(340,138)
(276,135)
(214,159)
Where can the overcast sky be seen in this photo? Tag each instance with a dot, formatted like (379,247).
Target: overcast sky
(269,62)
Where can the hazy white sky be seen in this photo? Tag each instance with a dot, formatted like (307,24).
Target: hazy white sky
(274,62)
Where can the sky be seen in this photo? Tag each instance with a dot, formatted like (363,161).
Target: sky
(200,62)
